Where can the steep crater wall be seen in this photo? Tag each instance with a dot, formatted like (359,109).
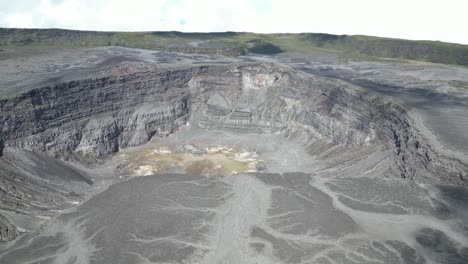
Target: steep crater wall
(99,116)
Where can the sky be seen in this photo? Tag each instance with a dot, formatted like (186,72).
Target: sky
(444,20)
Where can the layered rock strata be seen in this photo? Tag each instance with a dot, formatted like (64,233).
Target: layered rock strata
(99,116)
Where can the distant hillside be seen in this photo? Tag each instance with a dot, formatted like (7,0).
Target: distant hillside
(240,43)
(208,43)
(431,51)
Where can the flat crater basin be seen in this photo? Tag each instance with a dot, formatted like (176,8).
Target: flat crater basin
(205,160)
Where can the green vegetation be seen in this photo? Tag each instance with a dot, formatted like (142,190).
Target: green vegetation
(430,51)
(239,43)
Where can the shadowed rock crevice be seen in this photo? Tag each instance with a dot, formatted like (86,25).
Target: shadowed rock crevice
(2,146)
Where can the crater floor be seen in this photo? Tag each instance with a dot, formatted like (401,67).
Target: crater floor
(210,194)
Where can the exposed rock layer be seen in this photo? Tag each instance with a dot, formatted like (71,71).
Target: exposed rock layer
(102,115)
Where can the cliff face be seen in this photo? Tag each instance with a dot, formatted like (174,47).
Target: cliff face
(128,108)
(267,98)
(413,157)
(98,115)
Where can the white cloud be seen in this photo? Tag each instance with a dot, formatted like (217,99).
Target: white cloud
(413,19)
(20,20)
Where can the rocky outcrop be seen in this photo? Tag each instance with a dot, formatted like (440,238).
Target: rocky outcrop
(413,157)
(102,115)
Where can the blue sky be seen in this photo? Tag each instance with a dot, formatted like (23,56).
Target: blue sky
(444,20)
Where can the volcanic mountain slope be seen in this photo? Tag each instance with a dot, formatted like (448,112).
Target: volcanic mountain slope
(260,158)
(33,41)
